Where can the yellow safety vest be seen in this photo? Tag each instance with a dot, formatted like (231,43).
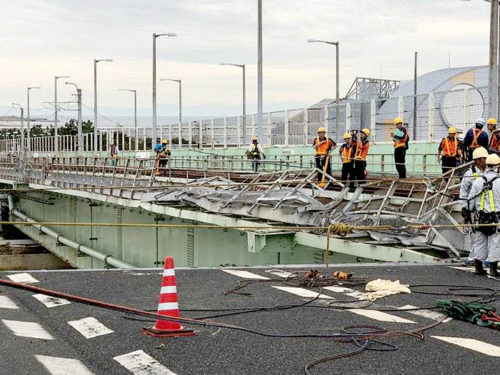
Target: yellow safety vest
(490,198)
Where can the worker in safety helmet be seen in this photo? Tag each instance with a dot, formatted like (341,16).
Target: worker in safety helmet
(485,193)
(113,153)
(346,153)
(255,153)
(475,137)
(468,210)
(162,153)
(323,146)
(449,151)
(362,146)
(400,138)
(494,143)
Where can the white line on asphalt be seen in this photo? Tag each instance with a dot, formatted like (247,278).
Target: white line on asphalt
(472,344)
(245,274)
(280,273)
(50,301)
(301,292)
(466,269)
(6,303)
(90,327)
(347,291)
(63,366)
(426,313)
(27,329)
(139,363)
(24,278)
(380,316)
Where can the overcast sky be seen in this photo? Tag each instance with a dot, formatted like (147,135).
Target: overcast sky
(42,38)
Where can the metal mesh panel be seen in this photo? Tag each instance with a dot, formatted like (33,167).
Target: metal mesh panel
(278,128)
(232,131)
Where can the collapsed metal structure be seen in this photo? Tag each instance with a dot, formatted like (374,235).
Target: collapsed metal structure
(289,197)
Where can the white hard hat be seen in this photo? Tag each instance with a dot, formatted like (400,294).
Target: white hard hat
(493,159)
(479,152)
(480,121)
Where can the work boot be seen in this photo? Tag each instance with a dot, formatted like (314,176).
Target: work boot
(494,269)
(479,268)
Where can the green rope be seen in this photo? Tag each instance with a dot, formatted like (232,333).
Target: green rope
(473,312)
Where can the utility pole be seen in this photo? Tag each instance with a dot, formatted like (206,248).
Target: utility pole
(415,98)
(260,102)
(493,64)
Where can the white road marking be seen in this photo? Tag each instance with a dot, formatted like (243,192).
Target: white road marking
(27,329)
(466,269)
(90,327)
(24,278)
(63,366)
(301,292)
(347,291)
(426,313)
(50,301)
(472,344)
(139,363)
(246,274)
(280,273)
(6,303)
(380,316)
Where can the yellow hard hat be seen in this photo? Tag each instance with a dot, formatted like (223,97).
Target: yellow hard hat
(493,159)
(398,120)
(347,136)
(479,152)
(322,129)
(254,138)
(366,131)
(452,130)
(492,121)
(164,141)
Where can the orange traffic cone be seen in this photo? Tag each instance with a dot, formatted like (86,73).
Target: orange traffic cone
(168,306)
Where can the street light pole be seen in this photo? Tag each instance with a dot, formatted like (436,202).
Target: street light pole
(22,124)
(28,114)
(155,36)
(56,135)
(493,63)
(135,115)
(96,149)
(243,67)
(260,100)
(79,103)
(180,95)
(337,79)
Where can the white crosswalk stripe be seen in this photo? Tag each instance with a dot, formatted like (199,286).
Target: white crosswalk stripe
(472,344)
(426,313)
(140,363)
(280,273)
(27,329)
(24,278)
(90,327)
(63,366)
(50,301)
(347,291)
(246,274)
(380,316)
(301,292)
(6,303)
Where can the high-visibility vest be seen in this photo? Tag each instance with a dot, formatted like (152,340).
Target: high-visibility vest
(450,148)
(255,150)
(347,153)
(361,149)
(490,198)
(401,142)
(324,148)
(475,135)
(495,141)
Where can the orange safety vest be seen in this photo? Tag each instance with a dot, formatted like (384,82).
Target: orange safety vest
(347,153)
(495,141)
(361,150)
(475,135)
(401,142)
(450,148)
(324,148)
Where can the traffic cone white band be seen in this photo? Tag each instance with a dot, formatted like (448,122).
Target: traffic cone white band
(168,289)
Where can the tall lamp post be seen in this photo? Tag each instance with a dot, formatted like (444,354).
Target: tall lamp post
(155,36)
(180,95)
(337,79)
(96,149)
(135,116)
(28,110)
(79,103)
(260,100)
(56,109)
(244,127)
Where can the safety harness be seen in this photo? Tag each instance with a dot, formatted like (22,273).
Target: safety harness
(475,136)
(490,217)
(347,153)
